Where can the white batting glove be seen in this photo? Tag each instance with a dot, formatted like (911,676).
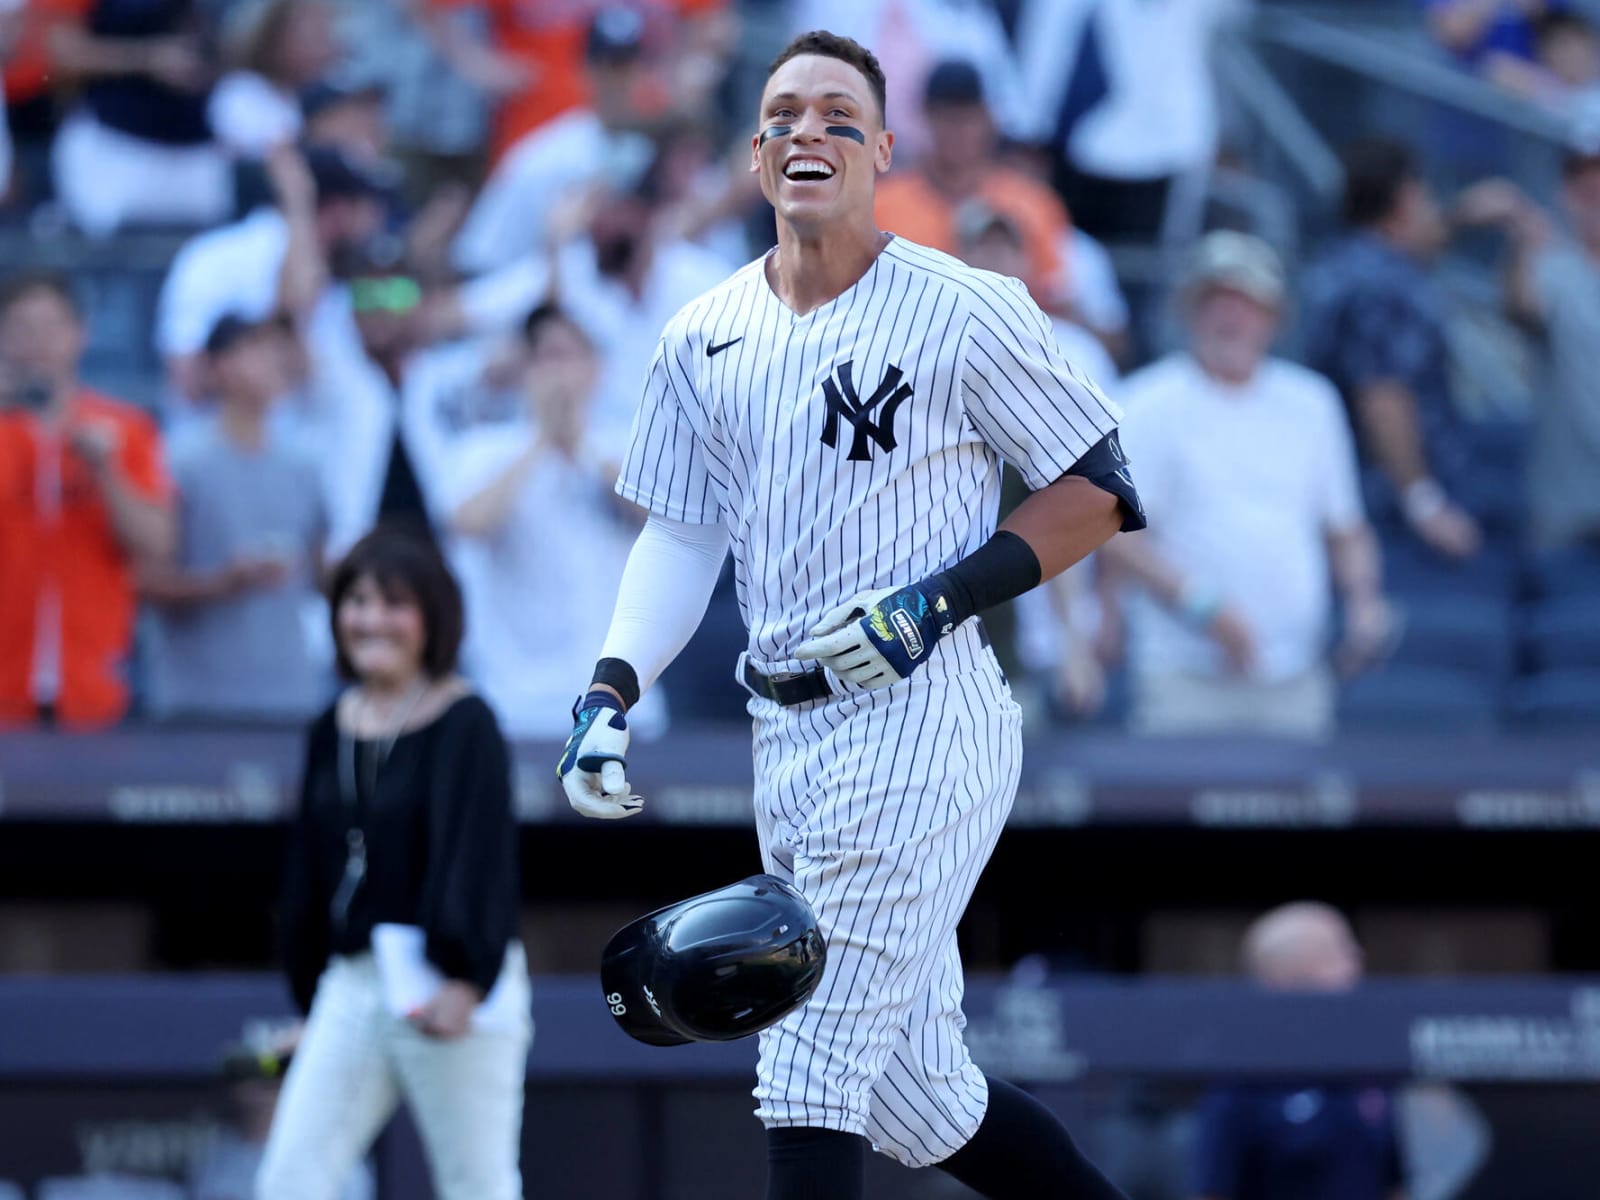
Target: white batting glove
(593,767)
(877,637)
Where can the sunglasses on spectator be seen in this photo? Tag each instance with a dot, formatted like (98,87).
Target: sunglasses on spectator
(393,293)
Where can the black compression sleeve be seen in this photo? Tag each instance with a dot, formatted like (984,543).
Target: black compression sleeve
(619,674)
(999,570)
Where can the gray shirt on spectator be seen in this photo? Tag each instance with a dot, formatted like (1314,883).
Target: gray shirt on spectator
(1564,469)
(247,655)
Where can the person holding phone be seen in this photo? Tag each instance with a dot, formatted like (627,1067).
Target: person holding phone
(405,820)
(84,503)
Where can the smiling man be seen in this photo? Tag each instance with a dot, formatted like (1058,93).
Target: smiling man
(838,409)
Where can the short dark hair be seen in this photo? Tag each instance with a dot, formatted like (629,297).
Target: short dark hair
(847,50)
(1375,171)
(22,284)
(403,562)
(546,314)
(1558,23)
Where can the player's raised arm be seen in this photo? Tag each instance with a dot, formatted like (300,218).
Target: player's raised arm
(1039,414)
(666,585)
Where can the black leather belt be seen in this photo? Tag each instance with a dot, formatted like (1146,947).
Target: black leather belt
(788,688)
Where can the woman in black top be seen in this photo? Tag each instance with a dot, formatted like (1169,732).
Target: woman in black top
(405,845)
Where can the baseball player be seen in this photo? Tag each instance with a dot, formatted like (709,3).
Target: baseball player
(839,410)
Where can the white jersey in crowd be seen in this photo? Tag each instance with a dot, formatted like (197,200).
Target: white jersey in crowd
(858,445)
(1242,485)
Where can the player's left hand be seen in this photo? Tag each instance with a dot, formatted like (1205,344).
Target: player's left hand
(878,637)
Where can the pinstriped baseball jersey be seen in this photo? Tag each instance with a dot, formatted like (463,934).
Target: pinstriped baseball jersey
(857,445)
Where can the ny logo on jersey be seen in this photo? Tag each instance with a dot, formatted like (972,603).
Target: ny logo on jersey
(842,401)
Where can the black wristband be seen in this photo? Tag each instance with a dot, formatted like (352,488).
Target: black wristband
(618,674)
(999,570)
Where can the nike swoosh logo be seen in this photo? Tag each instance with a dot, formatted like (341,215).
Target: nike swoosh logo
(717,348)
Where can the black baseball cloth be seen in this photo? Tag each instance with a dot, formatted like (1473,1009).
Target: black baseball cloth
(1022,1152)
(136,104)
(805,1163)
(440,845)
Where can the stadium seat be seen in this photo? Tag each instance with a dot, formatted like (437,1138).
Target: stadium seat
(1469,633)
(1411,570)
(1563,632)
(1561,699)
(1560,574)
(108,1187)
(1418,697)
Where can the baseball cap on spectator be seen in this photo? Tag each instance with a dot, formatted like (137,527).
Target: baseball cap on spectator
(339,176)
(329,93)
(231,329)
(955,82)
(616,35)
(1238,262)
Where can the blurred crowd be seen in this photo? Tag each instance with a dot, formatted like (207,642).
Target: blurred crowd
(431,247)
(1546,51)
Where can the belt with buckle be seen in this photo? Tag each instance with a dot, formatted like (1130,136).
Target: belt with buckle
(788,688)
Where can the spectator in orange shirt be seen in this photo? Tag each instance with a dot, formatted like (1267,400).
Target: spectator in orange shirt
(535,64)
(83,504)
(960,165)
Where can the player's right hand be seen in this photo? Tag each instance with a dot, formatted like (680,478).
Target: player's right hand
(593,767)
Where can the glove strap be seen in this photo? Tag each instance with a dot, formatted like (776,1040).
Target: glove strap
(595,698)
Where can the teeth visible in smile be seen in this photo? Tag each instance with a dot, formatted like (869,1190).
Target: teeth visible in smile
(808,168)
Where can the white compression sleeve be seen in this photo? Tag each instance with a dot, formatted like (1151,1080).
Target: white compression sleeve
(665,588)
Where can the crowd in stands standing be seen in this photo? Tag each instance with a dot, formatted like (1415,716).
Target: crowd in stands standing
(363,324)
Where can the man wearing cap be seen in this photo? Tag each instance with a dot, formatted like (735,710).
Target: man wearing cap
(1553,285)
(230,603)
(1256,504)
(239,268)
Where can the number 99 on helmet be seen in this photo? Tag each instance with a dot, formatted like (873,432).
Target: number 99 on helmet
(715,967)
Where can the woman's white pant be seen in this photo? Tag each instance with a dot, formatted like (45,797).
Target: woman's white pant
(354,1064)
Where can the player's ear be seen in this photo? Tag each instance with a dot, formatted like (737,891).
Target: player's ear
(755,153)
(883,152)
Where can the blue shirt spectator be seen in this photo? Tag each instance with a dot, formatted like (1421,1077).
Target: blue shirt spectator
(1374,324)
(1285,1141)
(1374,313)
(1475,30)
(1304,1139)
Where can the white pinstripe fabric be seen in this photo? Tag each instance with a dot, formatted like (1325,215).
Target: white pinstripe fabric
(882,806)
(736,437)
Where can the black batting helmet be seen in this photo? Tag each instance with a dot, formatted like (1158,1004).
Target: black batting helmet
(716,967)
